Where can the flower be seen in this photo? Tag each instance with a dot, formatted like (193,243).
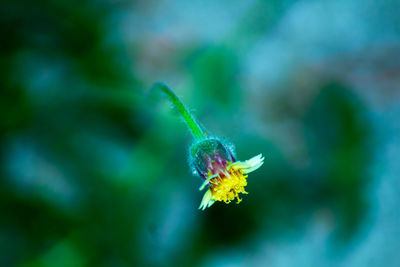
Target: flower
(213,159)
(224,175)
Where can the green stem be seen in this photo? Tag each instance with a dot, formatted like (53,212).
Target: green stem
(193,126)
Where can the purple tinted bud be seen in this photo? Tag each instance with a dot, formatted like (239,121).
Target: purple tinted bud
(210,156)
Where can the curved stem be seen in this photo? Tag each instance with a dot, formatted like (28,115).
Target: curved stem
(193,126)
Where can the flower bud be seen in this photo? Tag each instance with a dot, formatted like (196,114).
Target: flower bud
(210,156)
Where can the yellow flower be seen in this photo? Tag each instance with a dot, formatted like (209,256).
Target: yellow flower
(229,182)
(213,159)
(225,177)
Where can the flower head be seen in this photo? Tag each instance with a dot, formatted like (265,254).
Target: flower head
(225,177)
(213,159)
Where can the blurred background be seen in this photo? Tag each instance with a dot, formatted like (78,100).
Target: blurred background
(93,172)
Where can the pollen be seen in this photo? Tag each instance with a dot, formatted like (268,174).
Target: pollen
(227,185)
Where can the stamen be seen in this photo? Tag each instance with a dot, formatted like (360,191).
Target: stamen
(228,185)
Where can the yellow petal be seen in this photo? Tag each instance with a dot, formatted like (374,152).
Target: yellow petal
(207,201)
(249,165)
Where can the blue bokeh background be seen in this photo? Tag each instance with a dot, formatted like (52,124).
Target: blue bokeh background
(93,170)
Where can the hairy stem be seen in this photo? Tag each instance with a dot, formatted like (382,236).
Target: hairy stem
(193,126)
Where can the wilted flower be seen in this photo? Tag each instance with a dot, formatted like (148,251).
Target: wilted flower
(214,160)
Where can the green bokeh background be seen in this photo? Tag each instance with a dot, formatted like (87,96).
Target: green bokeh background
(93,169)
